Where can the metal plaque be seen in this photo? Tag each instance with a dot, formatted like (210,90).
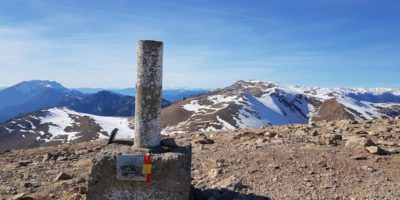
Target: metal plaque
(129,167)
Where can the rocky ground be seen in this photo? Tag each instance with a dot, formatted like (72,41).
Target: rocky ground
(324,160)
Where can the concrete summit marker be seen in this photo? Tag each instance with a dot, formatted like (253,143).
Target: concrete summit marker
(121,171)
(148,93)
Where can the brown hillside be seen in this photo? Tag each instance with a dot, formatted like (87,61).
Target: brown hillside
(331,110)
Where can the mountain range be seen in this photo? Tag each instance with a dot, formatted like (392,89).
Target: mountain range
(170,94)
(244,104)
(256,103)
(29,96)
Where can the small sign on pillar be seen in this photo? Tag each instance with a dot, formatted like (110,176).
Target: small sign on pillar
(134,167)
(130,167)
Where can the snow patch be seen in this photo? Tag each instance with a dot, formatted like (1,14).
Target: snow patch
(58,120)
(19,125)
(109,123)
(209,128)
(32,125)
(194,106)
(225,125)
(221,98)
(366,110)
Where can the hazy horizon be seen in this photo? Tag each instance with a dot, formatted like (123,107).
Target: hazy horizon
(197,88)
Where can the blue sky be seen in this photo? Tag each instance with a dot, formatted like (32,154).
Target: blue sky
(208,44)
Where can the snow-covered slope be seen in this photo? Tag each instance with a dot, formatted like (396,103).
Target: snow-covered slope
(241,105)
(258,103)
(60,125)
(59,119)
(360,103)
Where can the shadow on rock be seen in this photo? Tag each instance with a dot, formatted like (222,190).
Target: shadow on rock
(222,194)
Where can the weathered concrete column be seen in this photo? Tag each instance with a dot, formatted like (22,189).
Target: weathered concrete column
(148,93)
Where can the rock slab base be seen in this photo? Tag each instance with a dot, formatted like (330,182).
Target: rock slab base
(171,177)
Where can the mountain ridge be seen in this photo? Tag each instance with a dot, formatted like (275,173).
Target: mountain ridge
(247,104)
(244,104)
(170,94)
(29,96)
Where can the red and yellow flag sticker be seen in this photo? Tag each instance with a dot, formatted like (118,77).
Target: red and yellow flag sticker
(146,170)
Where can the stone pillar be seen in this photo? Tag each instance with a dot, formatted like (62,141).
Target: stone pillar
(117,170)
(148,93)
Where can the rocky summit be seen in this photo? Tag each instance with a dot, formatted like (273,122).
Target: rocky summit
(344,159)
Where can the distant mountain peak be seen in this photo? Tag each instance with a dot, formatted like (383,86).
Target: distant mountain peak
(32,85)
(106,93)
(28,96)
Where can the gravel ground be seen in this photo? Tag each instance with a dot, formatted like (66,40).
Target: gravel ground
(325,160)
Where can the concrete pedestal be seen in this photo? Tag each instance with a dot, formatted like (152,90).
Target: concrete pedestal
(170,175)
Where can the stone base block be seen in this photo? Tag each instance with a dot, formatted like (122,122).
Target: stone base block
(170,175)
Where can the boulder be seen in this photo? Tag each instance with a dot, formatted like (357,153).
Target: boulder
(270,134)
(358,142)
(375,150)
(21,196)
(260,141)
(314,133)
(353,122)
(300,133)
(47,157)
(330,138)
(359,157)
(373,133)
(232,183)
(24,163)
(368,168)
(63,176)
(214,172)
(361,132)
(204,141)
(168,142)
